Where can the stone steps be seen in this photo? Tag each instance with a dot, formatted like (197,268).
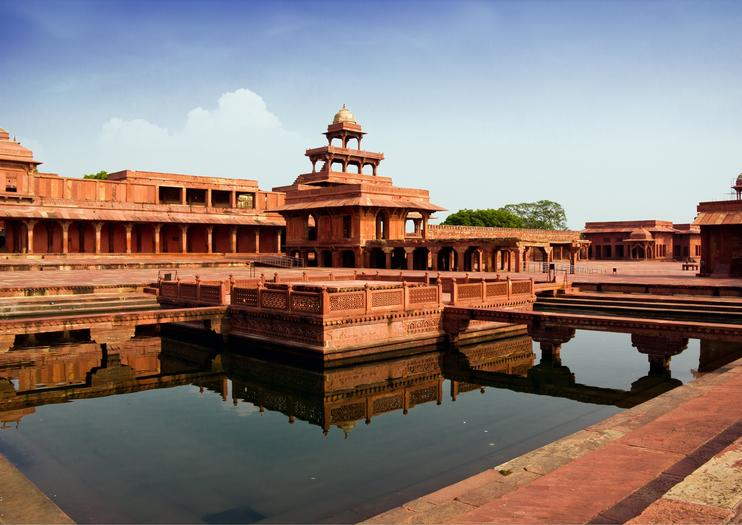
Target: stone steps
(667,311)
(76,305)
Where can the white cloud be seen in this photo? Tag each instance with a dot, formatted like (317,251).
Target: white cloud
(240,138)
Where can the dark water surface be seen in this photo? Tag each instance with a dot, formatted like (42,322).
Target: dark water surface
(184,454)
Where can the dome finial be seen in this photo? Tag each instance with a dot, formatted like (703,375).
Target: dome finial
(344,115)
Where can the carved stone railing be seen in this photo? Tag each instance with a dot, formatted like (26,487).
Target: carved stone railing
(485,292)
(197,292)
(328,301)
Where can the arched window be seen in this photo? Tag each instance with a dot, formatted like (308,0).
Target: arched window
(337,165)
(311,228)
(353,168)
(368,169)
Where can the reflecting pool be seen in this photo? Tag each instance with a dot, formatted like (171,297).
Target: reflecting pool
(171,429)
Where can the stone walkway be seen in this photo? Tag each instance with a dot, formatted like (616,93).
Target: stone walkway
(674,459)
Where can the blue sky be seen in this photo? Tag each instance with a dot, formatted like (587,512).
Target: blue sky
(617,110)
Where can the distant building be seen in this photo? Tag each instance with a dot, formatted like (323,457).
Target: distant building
(343,213)
(131,212)
(720,223)
(642,240)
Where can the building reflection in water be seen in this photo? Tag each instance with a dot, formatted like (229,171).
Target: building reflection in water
(342,396)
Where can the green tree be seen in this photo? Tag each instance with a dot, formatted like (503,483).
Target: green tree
(488,217)
(102,175)
(542,215)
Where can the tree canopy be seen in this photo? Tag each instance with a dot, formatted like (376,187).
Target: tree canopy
(102,175)
(501,218)
(541,215)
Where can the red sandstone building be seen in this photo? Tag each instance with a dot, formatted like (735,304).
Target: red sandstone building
(132,212)
(345,214)
(341,214)
(720,223)
(642,240)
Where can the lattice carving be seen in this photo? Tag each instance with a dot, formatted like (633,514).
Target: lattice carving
(387,404)
(211,293)
(423,294)
(469,291)
(419,326)
(245,296)
(187,290)
(423,395)
(386,298)
(521,287)
(350,412)
(274,300)
(347,301)
(168,289)
(306,303)
(497,289)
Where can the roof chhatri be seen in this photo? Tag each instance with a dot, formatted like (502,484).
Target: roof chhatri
(344,115)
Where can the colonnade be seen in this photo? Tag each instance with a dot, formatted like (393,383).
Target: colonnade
(438,257)
(37,236)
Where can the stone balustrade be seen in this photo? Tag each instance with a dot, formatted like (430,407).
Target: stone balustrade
(337,301)
(198,292)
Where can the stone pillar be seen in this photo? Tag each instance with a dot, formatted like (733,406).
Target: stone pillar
(387,258)
(232,199)
(257,240)
(409,258)
(184,238)
(98,226)
(65,236)
(336,260)
(182,195)
(29,236)
(209,234)
(434,259)
(366,258)
(359,257)
(425,227)
(233,238)
(460,259)
(157,237)
(208,197)
(278,241)
(128,227)
(480,260)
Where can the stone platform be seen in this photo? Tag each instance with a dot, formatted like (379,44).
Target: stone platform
(674,459)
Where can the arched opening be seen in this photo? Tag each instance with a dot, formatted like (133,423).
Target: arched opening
(382,225)
(311,258)
(311,228)
(420,258)
(143,238)
(377,258)
(197,240)
(80,238)
(471,260)
(171,238)
(638,252)
(368,169)
(221,239)
(399,259)
(413,221)
(353,167)
(447,259)
(337,166)
(348,259)
(113,238)
(326,258)
(336,142)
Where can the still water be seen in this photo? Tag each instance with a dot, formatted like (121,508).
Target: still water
(205,451)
